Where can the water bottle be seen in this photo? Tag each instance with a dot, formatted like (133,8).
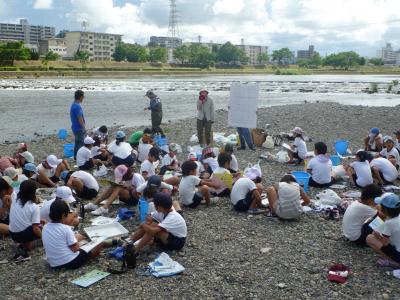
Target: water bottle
(130,256)
(143,209)
(82,210)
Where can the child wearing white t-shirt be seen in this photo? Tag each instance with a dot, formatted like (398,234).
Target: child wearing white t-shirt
(383,171)
(165,226)
(83,183)
(390,152)
(298,151)
(209,161)
(386,242)
(320,167)
(221,177)
(234,163)
(374,140)
(360,170)
(120,151)
(200,171)
(170,162)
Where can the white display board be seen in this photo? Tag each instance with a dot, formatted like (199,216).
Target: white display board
(243,105)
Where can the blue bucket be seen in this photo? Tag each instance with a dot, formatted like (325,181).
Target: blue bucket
(302,179)
(69,150)
(62,134)
(143,209)
(335,160)
(160,141)
(341,147)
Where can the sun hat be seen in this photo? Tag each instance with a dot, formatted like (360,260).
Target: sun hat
(88,141)
(53,161)
(11,172)
(192,156)
(120,172)
(388,200)
(8,180)
(28,156)
(173,147)
(120,135)
(154,181)
(375,130)
(30,167)
(65,193)
(387,138)
(297,130)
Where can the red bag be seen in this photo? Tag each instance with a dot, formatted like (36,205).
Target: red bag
(339,278)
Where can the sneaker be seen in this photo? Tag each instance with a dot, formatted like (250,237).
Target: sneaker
(21,256)
(101,211)
(255,211)
(91,207)
(386,263)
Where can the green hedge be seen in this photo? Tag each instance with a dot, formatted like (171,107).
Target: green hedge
(8,69)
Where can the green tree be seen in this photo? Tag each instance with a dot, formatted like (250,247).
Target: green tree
(135,53)
(158,54)
(263,58)
(83,57)
(51,56)
(34,55)
(344,60)
(316,60)
(11,51)
(230,54)
(201,55)
(120,52)
(182,54)
(376,61)
(282,55)
(303,63)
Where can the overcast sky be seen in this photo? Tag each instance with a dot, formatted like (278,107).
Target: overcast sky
(330,25)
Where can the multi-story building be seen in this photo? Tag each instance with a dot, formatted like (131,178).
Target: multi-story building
(389,55)
(253,52)
(164,41)
(56,45)
(29,34)
(306,54)
(101,46)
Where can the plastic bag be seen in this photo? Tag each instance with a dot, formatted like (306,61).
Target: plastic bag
(232,139)
(165,266)
(194,139)
(256,169)
(101,172)
(338,171)
(219,138)
(328,197)
(282,156)
(269,143)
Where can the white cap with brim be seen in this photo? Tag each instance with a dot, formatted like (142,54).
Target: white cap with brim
(88,141)
(65,193)
(253,173)
(53,161)
(8,180)
(11,172)
(28,156)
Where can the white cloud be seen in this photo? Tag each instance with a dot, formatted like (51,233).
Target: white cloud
(43,4)
(332,26)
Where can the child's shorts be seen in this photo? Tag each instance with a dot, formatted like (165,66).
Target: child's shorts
(391,252)
(365,231)
(25,236)
(87,166)
(197,198)
(88,193)
(315,184)
(355,177)
(174,243)
(77,262)
(128,161)
(132,201)
(100,157)
(244,204)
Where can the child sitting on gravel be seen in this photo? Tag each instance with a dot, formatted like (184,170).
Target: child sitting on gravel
(285,198)
(221,177)
(165,226)
(144,148)
(148,167)
(246,193)
(101,133)
(49,170)
(84,156)
(209,161)
(383,171)
(320,167)
(200,171)
(192,189)
(6,195)
(360,214)
(60,243)
(234,163)
(390,152)
(360,170)
(373,142)
(386,242)
(170,162)
(99,150)
(83,183)
(120,151)
(299,147)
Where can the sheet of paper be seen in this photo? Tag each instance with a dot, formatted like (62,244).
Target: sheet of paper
(243,105)
(90,278)
(377,224)
(287,147)
(89,246)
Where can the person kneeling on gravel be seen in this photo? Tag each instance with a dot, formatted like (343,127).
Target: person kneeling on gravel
(164,226)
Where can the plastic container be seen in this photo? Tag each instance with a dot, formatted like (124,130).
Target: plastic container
(335,160)
(62,134)
(302,179)
(69,150)
(143,209)
(160,141)
(341,147)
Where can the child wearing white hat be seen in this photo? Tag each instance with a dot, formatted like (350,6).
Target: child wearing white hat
(84,157)
(50,169)
(298,150)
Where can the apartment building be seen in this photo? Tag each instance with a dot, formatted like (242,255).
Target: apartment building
(101,46)
(253,52)
(29,34)
(306,54)
(56,45)
(164,41)
(389,55)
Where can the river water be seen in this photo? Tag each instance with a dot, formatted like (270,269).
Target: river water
(29,106)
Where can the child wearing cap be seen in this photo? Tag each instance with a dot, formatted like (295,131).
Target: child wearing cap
(209,161)
(144,148)
(360,214)
(246,192)
(60,243)
(298,151)
(360,170)
(120,151)
(125,190)
(25,218)
(6,197)
(234,163)
(200,171)
(374,141)
(165,226)
(390,152)
(320,167)
(84,157)
(170,162)
(63,193)
(386,242)
(383,171)
(29,171)
(285,198)
(192,189)
(221,177)
(83,183)
(24,158)
(15,177)
(50,169)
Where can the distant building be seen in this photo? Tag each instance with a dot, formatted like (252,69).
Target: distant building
(101,46)
(389,55)
(56,45)
(165,42)
(29,34)
(306,54)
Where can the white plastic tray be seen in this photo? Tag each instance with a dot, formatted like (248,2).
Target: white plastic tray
(108,231)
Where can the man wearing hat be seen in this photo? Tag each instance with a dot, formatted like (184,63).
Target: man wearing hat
(84,157)
(156,112)
(374,141)
(205,118)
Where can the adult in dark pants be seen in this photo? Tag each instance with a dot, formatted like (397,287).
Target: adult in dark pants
(205,118)
(156,113)
(245,138)
(78,121)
